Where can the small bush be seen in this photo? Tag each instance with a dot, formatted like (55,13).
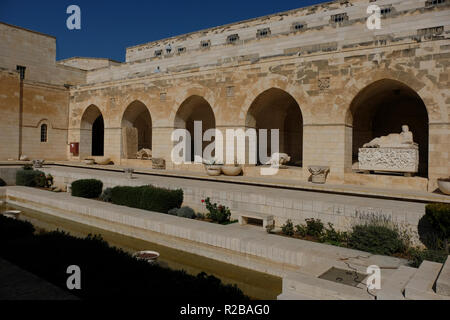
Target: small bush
(217,213)
(288,228)
(148,198)
(106,195)
(11,229)
(314,227)
(2,182)
(376,239)
(30,178)
(88,188)
(186,212)
(418,256)
(173,212)
(438,215)
(301,230)
(332,236)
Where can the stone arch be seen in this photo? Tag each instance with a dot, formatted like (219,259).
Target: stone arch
(92,132)
(195,108)
(136,127)
(381,108)
(277,109)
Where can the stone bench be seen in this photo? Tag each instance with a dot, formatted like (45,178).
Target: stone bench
(243,217)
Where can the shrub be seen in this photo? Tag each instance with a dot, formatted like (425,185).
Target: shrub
(314,227)
(418,256)
(2,182)
(288,228)
(217,213)
(333,236)
(11,229)
(301,230)
(47,255)
(173,212)
(27,167)
(87,188)
(30,178)
(438,215)
(148,198)
(376,239)
(186,212)
(106,195)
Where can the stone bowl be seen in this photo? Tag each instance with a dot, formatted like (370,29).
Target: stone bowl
(444,185)
(103,161)
(213,171)
(232,170)
(149,256)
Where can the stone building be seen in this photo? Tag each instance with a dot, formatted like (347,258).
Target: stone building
(319,74)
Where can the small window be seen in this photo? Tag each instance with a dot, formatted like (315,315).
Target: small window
(21,70)
(44,133)
(262,33)
(158,53)
(181,49)
(432,3)
(168,48)
(338,18)
(386,11)
(232,39)
(298,26)
(205,44)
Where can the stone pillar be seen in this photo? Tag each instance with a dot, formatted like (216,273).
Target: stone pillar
(325,145)
(162,144)
(438,154)
(112,144)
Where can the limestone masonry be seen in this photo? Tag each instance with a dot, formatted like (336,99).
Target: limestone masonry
(318,74)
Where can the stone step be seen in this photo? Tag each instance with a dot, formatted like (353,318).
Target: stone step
(394,286)
(321,289)
(421,285)
(443,281)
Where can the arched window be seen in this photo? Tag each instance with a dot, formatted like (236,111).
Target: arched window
(44,133)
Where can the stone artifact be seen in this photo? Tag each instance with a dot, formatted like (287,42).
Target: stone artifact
(394,140)
(38,163)
(129,142)
(144,154)
(231,170)
(89,161)
(24,158)
(319,173)
(158,163)
(396,152)
(444,185)
(278,159)
(103,161)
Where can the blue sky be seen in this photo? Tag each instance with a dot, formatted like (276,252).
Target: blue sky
(108,27)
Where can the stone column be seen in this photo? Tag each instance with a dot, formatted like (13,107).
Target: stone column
(325,145)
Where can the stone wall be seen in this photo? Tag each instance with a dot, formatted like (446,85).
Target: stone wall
(36,52)
(9,106)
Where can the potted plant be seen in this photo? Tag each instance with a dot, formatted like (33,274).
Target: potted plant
(213,167)
(444,185)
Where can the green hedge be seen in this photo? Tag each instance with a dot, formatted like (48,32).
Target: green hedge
(87,188)
(438,214)
(30,178)
(14,229)
(106,272)
(148,198)
(376,239)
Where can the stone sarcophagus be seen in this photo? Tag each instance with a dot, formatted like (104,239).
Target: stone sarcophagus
(404,160)
(396,152)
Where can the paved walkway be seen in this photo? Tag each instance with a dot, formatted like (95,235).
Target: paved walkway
(345,189)
(18,284)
